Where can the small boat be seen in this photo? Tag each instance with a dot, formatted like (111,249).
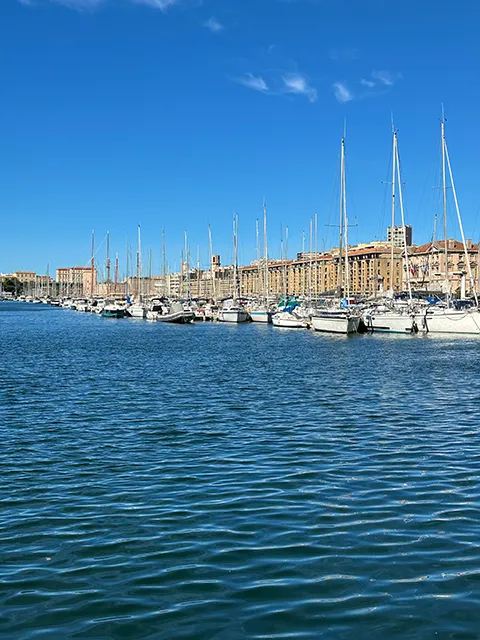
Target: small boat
(448,320)
(288,320)
(137,310)
(233,312)
(336,321)
(112,311)
(176,314)
(390,321)
(261,315)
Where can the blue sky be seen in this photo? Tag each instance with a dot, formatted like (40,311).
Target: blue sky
(176,113)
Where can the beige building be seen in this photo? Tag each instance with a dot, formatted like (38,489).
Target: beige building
(427,266)
(77,281)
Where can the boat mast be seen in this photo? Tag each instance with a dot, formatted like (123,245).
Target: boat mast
(303,270)
(116,272)
(199,275)
(402,211)
(315,219)
(444,192)
(265,253)
(460,224)
(341,215)
(164,263)
(212,270)
(286,261)
(139,263)
(187,265)
(394,179)
(310,266)
(92,273)
(345,222)
(258,256)
(107,263)
(235,257)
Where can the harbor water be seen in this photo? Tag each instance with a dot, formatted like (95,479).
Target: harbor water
(224,482)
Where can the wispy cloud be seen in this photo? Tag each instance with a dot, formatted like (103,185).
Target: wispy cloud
(214,25)
(252,82)
(367,83)
(385,77)
(342,92)
(298,84)
(163,5)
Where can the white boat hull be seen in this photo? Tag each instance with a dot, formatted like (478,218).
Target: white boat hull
(287,321)
(390,322)
(137,312)
(451,321)
(234,316)
(336,323)
(261,316)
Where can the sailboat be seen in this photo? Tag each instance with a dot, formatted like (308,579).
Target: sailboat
(261,312)
(285,316)
(340,318)
(387,318)
(138,309)
(449,319)
(231,310)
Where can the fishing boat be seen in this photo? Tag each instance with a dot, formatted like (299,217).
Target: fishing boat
(339,317)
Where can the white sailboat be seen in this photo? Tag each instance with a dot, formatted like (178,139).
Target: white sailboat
(339,319)
(387,318)
(448,319)
(231,310)
(261,312)
(138,309)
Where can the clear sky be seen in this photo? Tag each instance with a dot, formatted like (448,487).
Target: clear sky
(176,113)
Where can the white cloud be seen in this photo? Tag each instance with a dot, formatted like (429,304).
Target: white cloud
(342,92)
(214,25)
(384,77)
(367,83)
(253,82)
(296,83)
(163,5)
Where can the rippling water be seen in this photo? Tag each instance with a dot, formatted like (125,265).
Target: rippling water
(227,482)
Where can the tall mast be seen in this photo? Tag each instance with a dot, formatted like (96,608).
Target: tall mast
(265,253)
(127,270)
(107,262)
(310,262)
(444,192)
(460,224)
(402,211)
(342,213)
(164,263)
(235,256)
(303,270)
(315,221)
(139,263)
(345,222)
(286,261)
(116,272)
(199,275)
(187,265)
(394,178)
(257,239)
(211,262)
(92,273)
(282,263)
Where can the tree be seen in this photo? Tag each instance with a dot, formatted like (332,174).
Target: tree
(12,285)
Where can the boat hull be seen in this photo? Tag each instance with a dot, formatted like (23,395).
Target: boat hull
(233,316)
(113,313)
(452,321)
(336,323)
(137,312)
(390,322)
(180,317)
(261,316)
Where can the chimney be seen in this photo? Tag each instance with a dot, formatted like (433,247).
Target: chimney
(469,243)
(451,243)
